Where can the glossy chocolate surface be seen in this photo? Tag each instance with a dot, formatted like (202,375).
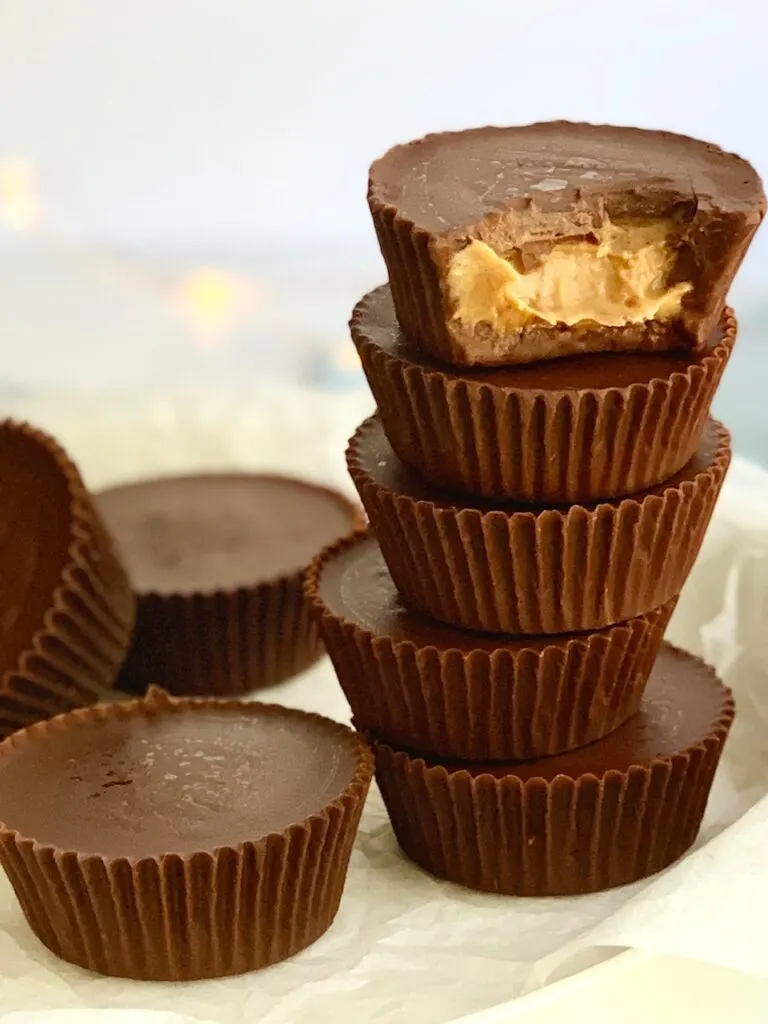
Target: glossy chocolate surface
(172,781)
(217,532)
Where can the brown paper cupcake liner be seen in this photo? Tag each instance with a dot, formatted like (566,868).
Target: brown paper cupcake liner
(539,837)
(72,657)
(186,917)
(225,642)
(558,570)
(525,699)
(530,444)
(221,643)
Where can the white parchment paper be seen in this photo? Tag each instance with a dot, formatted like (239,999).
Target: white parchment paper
(406,947)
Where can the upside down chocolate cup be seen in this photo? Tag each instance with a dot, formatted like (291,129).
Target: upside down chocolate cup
(513,569)
(450,693)
(569,430)
(67,606)
(218,564)
(171,840)
(605,815)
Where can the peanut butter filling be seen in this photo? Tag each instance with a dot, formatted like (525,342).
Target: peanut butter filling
(620,278)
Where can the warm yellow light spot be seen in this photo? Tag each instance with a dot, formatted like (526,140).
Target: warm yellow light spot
(214,301)
(20,206)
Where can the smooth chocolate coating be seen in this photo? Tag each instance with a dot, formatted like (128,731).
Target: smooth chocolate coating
(682,704)
(373,453)
(175,781)
(452,180)
(376,322)
(467,222)
(36,531)
(356,585)
(206,533)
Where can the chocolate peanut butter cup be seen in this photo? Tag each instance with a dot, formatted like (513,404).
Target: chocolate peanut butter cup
(452,693)
(67,607)
(170,840)
(516,245)
(512,569)
(568,430)
(218,564)
(601,816)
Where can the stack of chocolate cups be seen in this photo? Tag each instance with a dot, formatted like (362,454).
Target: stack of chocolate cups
(537,497)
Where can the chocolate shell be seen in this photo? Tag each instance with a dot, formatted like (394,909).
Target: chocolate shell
(605,815)
(171,840)
(517,194)
(218,564)
(68,609)
(556,432)
(452,693)
(513,569)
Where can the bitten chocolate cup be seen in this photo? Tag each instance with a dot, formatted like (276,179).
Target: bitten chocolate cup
(218,564)
(598,817)
(520,244)
(563,431)
(513,569)
(171,840)
(451,693)
(67,606)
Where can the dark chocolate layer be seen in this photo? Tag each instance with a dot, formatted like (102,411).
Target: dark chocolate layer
(496,240)
(682,703)
(173,782)
(205,533)
(356,585)
(373,453)
(452,693)
(451,180)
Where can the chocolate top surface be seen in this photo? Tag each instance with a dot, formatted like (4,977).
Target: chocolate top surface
(375,321)
(175,781)
(371,451)
(447,181)
(682,705)
(355,584)
(216,532)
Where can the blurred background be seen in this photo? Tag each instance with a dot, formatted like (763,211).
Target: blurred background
(182,182)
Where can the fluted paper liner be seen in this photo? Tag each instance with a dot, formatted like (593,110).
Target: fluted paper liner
(201,915)
(562,837)
(536,445)
(509,704)
(70,655)
(557,570)
(225,642)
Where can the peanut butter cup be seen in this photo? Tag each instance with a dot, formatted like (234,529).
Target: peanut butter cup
(512,569)
(171,840)
(452,693)
(218,564)
(567,430)
(605,815)
(516,245)
(67,609)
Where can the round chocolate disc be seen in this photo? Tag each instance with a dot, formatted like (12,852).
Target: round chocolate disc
(220,532)
(173,782)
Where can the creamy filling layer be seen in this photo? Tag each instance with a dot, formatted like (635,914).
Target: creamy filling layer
(621,277)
